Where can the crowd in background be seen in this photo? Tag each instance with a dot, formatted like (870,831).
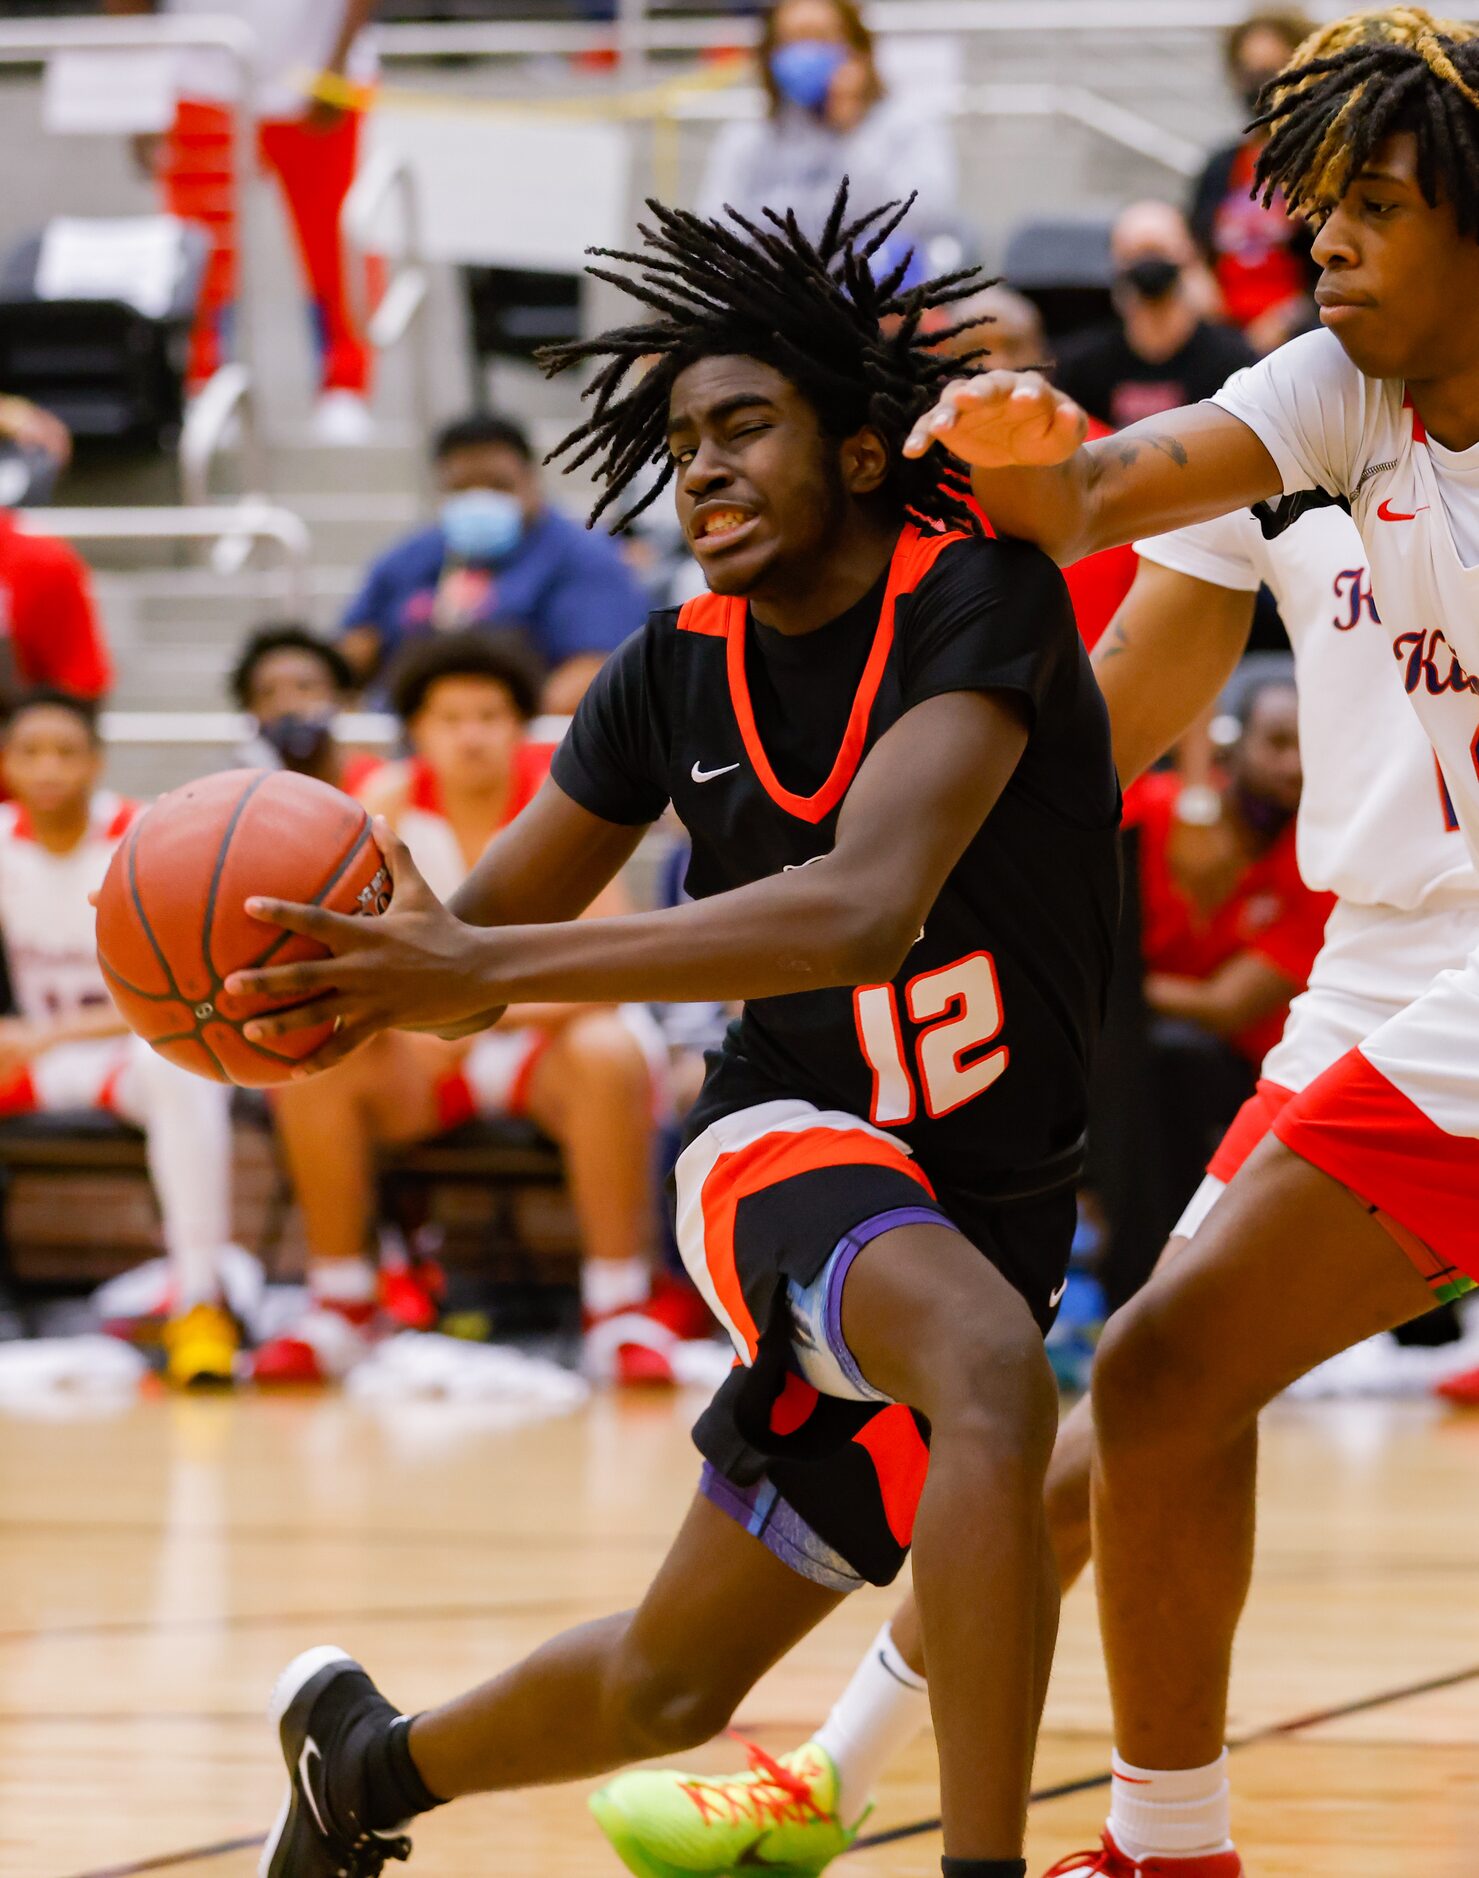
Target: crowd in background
(503,607)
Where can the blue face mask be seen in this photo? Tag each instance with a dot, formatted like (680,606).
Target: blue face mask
(803,71)
(482,525)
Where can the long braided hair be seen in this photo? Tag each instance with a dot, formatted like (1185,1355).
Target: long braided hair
(852,341)
(1365,78)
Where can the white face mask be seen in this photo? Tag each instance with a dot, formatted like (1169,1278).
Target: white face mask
(482,525)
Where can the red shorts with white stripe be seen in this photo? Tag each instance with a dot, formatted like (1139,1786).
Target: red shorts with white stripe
(773,1204)
(492,1078)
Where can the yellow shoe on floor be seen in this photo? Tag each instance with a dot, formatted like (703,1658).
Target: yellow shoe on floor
(200,1348)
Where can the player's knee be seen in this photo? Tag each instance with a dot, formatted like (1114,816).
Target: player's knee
(666,1708)
(1149,1387)
(995,1384)
(602,1046)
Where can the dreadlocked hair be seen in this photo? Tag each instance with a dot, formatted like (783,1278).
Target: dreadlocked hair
(851,344)
(1364,78)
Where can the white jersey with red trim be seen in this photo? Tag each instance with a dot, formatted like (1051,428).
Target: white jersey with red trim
(1329,427)
(48,926)
(421,822)
(1376,823)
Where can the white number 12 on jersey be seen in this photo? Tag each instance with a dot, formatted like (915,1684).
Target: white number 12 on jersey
(966,998)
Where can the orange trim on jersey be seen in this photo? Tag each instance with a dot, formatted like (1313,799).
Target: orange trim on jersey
(765,1163)
(423,791)
(901,1460)
(721,617)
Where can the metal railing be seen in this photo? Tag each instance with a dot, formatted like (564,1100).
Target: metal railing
(639,33)
(401,311)
(223,412)
(183,730)
(233,528)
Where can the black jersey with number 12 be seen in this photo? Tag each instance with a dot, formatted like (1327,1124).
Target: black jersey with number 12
(977,1054)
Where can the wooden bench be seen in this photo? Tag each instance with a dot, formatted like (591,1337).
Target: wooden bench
(76,1205)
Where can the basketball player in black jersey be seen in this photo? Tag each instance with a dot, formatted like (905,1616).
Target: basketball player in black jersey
(883,737)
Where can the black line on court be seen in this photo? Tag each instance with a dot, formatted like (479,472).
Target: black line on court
(274,1620)
(1063,1790)
(218,1850)
(1363,1705)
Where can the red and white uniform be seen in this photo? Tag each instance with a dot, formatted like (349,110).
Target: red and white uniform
(50,941)
(1395,1116)
(492,1077)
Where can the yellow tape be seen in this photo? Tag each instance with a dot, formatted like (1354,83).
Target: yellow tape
(653,101)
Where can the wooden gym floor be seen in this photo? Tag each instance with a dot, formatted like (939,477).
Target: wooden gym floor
(157,1568)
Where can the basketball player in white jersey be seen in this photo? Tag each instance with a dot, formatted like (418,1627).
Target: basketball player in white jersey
(586,1074)
(67,1047)
(1377,828)
(1361,1204)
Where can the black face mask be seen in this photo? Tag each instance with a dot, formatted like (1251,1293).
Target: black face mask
(1153,277)
(1267,818)
(299,741)
(1251,88)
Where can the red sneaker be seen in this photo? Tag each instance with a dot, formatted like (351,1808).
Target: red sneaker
(678,1303)
(1462,1388)
(632,1347)
(1110,1862)
(323,1346)
(411,1293)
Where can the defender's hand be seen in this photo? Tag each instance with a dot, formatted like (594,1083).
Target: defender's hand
(412,968)
(1002,420)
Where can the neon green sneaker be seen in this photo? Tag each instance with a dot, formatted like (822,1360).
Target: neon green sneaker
(781,1817)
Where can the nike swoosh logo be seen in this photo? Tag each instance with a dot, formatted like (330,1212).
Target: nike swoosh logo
(1056,1299)
(1386,513)
(305,1781)
(708,775)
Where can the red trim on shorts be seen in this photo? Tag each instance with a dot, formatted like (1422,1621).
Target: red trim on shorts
(794,1406)
(1360,1129)
(454,1100)
(518,1095)
(722,617)
(19,1095)
(1247,1128)
(896,1448)
(766,1163)
(108,1094)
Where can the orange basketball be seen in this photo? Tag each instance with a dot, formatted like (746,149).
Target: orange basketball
(172,924)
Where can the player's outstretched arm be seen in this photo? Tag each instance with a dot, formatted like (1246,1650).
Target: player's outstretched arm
(850,918)
(1164,659)
(1037,478)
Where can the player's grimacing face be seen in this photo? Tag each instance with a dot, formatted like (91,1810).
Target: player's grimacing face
(51,764)
(757,484)
(1399,285)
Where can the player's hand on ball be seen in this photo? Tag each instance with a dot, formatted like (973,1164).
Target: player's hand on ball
(410,968)
(1002,420)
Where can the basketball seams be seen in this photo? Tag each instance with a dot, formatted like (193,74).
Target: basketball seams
(131,860)
(215,977)
(356,849)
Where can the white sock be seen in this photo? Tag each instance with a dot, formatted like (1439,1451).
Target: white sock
(1186,1813)
(878,1714)
(187,1127)
(608,1285)
(343,1281)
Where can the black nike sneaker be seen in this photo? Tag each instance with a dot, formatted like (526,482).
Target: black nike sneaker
(322,1699)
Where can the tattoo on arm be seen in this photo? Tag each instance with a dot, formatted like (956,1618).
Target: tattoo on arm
(1129,452)
(1115,641)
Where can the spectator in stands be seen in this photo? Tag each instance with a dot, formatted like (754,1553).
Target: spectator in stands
(1159,351)
(35,447)
(1010,327)
(66,1048)
(50,631)
(829,116)
(584,1073)
(500,560)
(310,142)
(294,685)
(1259,255)
(1225,947)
